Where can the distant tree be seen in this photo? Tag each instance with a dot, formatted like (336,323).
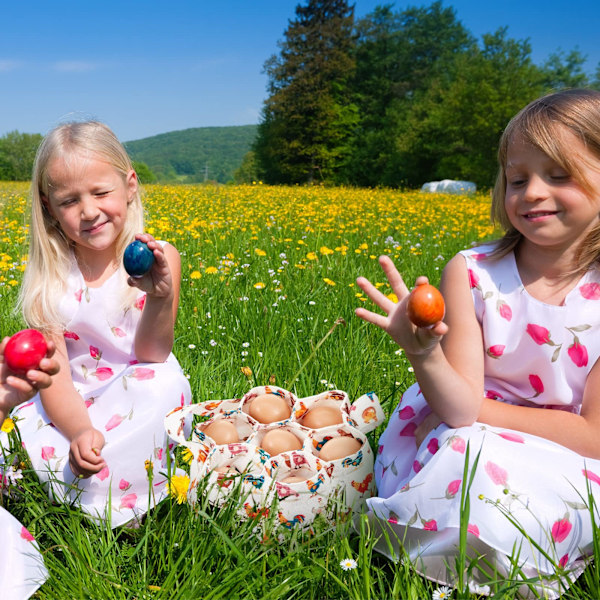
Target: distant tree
(454,126)
(248,170)
(308,118)
(17,153)
(565,71)
(144,173)
(398,55)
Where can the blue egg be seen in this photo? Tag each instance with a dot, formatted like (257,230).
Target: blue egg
(138,258)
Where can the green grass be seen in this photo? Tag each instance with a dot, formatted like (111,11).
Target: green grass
(283,333)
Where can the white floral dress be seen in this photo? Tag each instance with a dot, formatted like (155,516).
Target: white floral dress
(127,401)
(536,355)
(22,569)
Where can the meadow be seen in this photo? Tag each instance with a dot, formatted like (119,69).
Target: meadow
(268,295)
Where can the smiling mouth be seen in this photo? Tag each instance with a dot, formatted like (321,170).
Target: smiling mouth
(540,214)
(95,228)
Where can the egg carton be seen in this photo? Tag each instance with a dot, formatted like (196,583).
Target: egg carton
(299,483)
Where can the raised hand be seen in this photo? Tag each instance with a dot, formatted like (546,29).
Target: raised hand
(157,281)
(16,389)
(414,340)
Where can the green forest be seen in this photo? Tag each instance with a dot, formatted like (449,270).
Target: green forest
(395,98)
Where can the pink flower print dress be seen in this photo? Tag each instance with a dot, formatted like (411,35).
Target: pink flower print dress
(126,401)
(22,569)
(529,496)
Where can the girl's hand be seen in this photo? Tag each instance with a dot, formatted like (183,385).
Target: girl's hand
(84,454)
(158,281)
(425,427)
(415,340)
(16,389)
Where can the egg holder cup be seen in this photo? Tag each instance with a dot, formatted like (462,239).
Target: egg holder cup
(298,482)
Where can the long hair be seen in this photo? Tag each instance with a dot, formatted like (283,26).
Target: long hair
(540,124)
(50,251)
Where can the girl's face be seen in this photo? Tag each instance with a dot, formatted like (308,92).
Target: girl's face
(89,199)
(544,202)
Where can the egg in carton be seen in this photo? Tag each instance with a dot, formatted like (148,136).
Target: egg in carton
(266,415)
(301,487)
(237,466)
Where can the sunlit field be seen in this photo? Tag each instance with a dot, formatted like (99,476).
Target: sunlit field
(268,273)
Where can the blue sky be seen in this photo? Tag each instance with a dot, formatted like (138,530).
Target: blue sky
(150,67)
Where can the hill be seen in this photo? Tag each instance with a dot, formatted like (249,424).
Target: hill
(194,155)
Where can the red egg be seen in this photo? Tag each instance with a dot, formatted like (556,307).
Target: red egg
(425,305)
(24,350)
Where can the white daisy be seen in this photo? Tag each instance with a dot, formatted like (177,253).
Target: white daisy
(442,593)
(348,563)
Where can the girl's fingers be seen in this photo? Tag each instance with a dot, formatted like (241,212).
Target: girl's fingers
(375,295)
(371,317)
(394,277)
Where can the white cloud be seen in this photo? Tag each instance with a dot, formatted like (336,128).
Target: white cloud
(74,66)
(9,65)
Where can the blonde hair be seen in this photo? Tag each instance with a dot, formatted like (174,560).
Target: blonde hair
(541,124)
(50,251)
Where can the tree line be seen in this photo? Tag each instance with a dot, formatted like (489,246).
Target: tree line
(395,98)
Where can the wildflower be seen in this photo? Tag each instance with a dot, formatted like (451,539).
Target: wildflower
(311,256)
(211,270)
(191,346)
(178,487)
(328,281)
(325,250)
(247,371)
(259,286)
(260,252)
(348,563)
(442,593)
(187,455)
(212,343)
(392,297)
(195,275)
(8,425)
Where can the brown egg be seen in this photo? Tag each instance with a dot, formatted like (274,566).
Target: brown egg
(227,470)
(277,441)
(339,447)
(269,408)
(222,432)
(293,479)
(322,416)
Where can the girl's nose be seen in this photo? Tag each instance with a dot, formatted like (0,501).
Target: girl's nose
(536,189)
(89,209)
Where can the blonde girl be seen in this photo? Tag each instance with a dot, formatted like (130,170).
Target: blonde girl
(511,373)
(96,435)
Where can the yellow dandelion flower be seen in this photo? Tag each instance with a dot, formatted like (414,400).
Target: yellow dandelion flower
(328,281)
(392,297)
(259,286)
(195,275)
(211,270)
(8,425)
(187,455)
(259,252)
(178,487)
(149,465)
(325,250)
(312,256)
(247,371)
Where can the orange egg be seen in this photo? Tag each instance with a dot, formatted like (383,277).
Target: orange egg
(227,470)
(339,447)
(322,416)
(222,432)
(269,408)
(277,441)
